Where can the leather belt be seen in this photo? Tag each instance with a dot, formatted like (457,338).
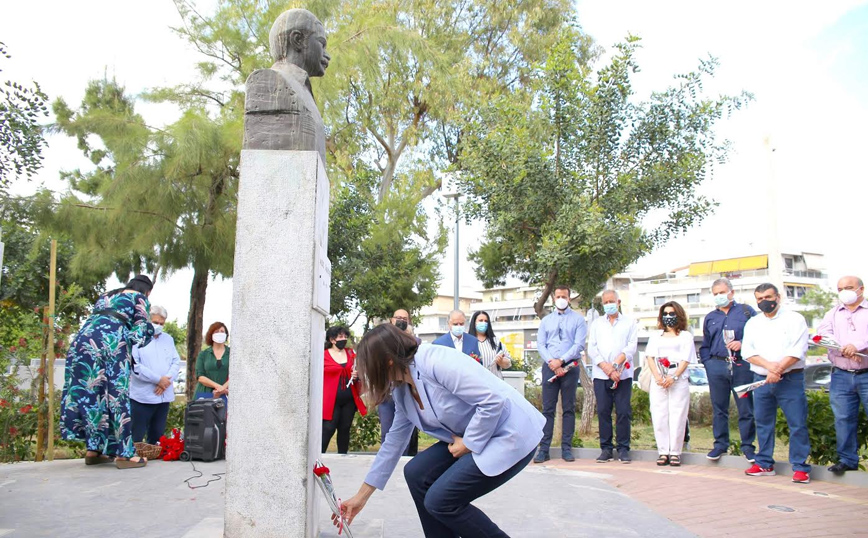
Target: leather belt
(860,371)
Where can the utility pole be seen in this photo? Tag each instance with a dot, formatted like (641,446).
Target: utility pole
(456,300)
(52,284)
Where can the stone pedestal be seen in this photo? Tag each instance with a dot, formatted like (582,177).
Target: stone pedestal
(280,300)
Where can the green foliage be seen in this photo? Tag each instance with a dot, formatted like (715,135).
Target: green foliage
(21,139)
(17,411)
(701,412)
(640,403)
(566,176)
(821,428)
(175,418)
(818,301)
(179,335)
(365,432)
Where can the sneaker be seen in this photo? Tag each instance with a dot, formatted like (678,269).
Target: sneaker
(624,456)
(605,455)
(756,470)
(541,456)
(801,477)
(715,454)
(841,468)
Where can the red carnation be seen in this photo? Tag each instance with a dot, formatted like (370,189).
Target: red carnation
(665,362)
(321,470)
(626,365)
(817,338)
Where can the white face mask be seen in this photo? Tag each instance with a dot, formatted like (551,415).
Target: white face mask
(218,338)
(158,329)
(562,303)
(848,296)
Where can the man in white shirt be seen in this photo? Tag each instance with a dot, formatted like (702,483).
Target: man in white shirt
(611,347)
(775,345)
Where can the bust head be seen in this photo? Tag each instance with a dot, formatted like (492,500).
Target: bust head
(298,37)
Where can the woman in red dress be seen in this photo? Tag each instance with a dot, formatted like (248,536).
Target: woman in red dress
(340,395)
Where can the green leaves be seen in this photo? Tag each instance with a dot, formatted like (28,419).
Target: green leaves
(567,172)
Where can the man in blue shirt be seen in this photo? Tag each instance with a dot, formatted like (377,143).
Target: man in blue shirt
(560,341)
(725,374)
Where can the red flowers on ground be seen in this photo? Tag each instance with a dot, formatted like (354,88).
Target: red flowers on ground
(172,447)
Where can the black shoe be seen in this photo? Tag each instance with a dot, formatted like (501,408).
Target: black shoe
(841,468)
(605,455)
(567,454)
(541,456)
(624,456)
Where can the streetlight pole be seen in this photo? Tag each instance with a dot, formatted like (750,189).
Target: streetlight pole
(455,301)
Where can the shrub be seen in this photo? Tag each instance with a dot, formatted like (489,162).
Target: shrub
(175,418)
(821,429)
(700,412)
(641,404)
(365,432)
(533,394)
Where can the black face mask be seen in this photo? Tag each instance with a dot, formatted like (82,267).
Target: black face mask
(670,321)
(340,344)
(401,324)
(767,306)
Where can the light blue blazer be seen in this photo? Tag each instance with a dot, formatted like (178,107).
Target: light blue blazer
(460,397)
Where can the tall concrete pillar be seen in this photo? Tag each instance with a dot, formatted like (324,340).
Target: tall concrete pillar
(279,302)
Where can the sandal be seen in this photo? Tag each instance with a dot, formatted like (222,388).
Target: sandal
(675,461)
(663,460)
(130,464)
(98,459)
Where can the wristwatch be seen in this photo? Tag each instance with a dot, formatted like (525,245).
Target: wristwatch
(675,378)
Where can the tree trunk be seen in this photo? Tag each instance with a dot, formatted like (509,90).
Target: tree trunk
(547,291)
(41,407)
(194,326)
(589,402)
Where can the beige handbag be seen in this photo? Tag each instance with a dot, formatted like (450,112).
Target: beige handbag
(645,378)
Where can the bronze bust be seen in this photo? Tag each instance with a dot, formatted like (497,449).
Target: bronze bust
(280,112)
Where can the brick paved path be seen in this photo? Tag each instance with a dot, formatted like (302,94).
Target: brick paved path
(714,502)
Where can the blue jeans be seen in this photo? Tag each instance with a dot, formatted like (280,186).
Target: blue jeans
(443,487)
(720,385)
(845,393)
(789,395)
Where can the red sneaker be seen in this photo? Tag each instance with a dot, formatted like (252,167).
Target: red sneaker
(801,477)
(756,470)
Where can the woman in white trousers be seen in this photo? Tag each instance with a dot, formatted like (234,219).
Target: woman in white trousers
(667,356)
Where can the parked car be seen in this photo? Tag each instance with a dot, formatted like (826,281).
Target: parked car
(818,376)
(181,382)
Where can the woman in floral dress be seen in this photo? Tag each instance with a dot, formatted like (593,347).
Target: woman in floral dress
(95,407)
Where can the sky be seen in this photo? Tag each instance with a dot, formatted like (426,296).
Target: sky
(797,150)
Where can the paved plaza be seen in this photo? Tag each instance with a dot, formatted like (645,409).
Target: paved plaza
(557,499)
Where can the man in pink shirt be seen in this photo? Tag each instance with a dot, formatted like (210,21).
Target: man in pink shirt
(847,324)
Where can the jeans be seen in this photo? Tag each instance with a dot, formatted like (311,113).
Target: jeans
(565,386)
(443,487)
(846,392)
(149,419)
(620,399)
(720,385)
(789,395)
(386,412)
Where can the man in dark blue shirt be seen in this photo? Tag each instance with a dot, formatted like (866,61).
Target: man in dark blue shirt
(726,369)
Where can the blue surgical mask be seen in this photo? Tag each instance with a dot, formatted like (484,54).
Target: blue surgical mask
(482,327)
(610,309)
(457,330)
(721,299)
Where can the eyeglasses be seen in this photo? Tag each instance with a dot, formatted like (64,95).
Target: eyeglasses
(401,318)
(850,321)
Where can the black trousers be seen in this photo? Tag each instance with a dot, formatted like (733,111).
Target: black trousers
(564,386)
(620,400)
(342,422)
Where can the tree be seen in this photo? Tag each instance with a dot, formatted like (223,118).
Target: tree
(566,178)
(818,301)
(158,199)
(21,139)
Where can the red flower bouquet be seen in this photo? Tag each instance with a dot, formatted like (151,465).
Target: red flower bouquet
(172,447)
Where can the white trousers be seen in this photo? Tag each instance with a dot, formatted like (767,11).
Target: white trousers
(669,409)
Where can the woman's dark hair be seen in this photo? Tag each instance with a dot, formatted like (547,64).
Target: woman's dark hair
(139,283)
(381,345)
(680,315)
(334,332)
(209,336)
(489,334)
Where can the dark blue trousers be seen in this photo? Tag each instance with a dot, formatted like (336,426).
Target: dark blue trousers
(720,386)
(565,387)
(149,419)
(443,488)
